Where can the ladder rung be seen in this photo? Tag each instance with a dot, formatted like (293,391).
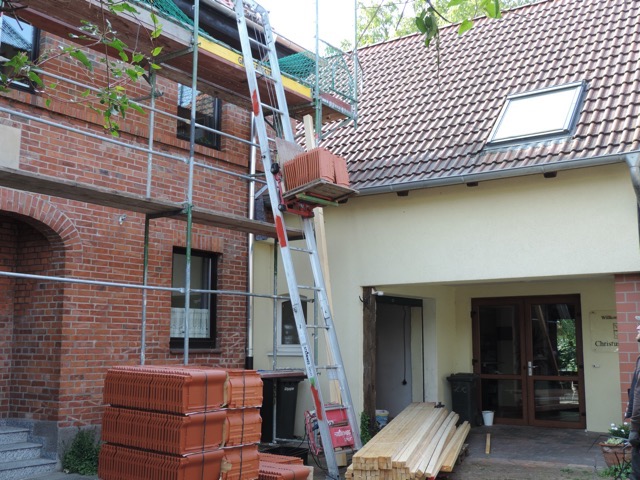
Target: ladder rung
(259,43)
(316,327)
(304,250)
(309,287)
(327,367)
(273,109)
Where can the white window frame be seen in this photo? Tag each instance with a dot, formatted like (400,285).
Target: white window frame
(533,105)
(288,349)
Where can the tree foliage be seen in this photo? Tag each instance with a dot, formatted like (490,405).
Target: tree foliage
(111,99)
(380,20)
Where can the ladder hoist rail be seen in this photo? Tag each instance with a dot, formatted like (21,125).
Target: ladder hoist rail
(282,123)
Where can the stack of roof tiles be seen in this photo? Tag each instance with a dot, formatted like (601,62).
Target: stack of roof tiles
(316,164)
(180,423)
(281,467)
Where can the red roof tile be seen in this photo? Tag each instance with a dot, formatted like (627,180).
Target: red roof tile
(416,124)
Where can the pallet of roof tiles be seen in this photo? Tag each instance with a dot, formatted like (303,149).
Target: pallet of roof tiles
(181,390)
(169,389)
(124,463)
(240,463)
(283,471)
(164,432)
(242,426)
(242,388)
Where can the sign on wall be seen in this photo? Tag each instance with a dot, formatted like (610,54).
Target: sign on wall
(604,330)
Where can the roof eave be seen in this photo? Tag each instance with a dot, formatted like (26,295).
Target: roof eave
(500,174)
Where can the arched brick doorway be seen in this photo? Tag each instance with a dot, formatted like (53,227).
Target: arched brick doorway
(30,321)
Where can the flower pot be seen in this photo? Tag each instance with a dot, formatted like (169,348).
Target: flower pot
(616,454)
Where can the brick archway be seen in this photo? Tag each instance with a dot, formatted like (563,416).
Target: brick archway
(39,239)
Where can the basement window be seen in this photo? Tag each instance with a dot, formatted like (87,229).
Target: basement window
(546,113)
(202,306)
(208,117)
(17,37)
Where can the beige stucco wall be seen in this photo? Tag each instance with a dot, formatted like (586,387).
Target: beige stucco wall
(522,236)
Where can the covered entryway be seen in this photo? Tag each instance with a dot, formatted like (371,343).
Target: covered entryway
(528,354)
(30,320)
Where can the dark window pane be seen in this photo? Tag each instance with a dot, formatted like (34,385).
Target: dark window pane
(208,114)
(202,306)
(17,37)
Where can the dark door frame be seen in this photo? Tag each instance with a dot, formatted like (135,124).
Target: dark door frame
(523,304)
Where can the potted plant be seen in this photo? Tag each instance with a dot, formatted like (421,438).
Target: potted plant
(616,449)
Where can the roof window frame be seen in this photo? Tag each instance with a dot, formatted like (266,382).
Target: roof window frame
(568,125)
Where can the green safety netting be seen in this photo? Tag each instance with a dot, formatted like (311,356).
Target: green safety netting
(334,74)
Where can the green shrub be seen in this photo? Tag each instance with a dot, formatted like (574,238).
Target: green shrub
(82,455)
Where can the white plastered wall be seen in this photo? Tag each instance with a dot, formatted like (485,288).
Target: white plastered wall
(521,236)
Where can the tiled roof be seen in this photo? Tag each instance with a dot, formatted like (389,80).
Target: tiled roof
(419,128)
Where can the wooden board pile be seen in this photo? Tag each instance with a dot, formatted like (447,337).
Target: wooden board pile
(418,444)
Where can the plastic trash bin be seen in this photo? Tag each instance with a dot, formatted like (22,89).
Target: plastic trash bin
(464,397)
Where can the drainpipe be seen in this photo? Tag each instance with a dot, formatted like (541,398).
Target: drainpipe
(633,161)
(248,362)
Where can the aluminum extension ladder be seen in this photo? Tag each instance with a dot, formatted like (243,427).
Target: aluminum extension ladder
(276,107)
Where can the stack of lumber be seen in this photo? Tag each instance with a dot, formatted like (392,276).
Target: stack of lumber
(419,443)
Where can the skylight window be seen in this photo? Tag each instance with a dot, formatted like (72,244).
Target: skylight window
(541,113)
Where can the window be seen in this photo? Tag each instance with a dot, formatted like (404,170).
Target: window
(16,37)
(202,306)
(542,113)
(288,340)
(208,114)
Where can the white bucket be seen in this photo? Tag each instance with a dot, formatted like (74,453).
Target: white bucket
(487,416)
(382,417)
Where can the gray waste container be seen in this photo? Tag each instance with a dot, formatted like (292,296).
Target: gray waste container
(464,397)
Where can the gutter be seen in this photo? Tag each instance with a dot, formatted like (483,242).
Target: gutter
(631,158)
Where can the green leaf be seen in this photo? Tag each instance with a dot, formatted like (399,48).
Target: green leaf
(455,3)
(137,108)
(156,51)
(155,66)
(47,103)
(422,28)
(465,26)
(82,58)
(137,58)
(35,78)
(133,74)
(123,56)
(86,93)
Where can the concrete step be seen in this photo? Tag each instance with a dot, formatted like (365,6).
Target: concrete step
(13,435)
(19,451)
(62,476)
(23,469)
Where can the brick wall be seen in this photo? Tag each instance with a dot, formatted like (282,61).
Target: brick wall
(68,335)
(627,307)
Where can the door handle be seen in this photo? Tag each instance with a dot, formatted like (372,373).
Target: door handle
(530,367)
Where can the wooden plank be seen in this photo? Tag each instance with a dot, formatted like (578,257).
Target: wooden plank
(487,447)
(455,447)
(107,197)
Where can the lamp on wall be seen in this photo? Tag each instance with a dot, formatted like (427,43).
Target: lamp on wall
(376,292)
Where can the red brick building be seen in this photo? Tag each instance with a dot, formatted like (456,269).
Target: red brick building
(58,338)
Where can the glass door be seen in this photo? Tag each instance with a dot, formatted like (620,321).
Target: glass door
(528,356)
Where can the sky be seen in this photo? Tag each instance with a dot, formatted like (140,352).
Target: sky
(296,20)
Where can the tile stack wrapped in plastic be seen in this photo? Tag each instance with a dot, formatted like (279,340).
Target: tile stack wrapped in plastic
(180,423)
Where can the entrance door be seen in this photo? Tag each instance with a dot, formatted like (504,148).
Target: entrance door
(528,354)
